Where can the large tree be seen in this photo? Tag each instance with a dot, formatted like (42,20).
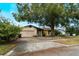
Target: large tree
(44,14)
(72,15)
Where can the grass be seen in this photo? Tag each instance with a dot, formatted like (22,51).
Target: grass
(4,48)
(69,40)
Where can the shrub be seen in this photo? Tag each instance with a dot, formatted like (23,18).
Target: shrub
(8,31)
(57,32)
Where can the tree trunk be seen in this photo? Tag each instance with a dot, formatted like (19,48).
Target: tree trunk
(71,34)
(52,30)
(52,26)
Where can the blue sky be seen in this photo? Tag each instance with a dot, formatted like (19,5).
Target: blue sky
(7,9)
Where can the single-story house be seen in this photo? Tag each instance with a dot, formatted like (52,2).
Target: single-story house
(33,31)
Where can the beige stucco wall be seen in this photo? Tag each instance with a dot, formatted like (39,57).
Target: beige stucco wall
(46,32)
(29,32)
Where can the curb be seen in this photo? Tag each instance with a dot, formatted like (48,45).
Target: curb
(8,53)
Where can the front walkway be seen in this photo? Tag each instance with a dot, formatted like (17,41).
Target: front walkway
(27,45)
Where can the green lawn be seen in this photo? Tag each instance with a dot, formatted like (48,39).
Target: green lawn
(6,48)
(69,40)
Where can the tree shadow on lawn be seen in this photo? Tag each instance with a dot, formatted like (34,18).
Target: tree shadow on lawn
(7,46)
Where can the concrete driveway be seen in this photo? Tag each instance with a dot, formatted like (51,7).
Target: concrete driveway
(42,47)
(26,45)
(61,51)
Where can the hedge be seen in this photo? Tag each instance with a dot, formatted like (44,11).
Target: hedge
(8,31)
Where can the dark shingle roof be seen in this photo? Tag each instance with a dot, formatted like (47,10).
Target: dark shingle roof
(42,28)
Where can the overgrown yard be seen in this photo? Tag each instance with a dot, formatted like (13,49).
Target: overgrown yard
(4,48)
(69,40)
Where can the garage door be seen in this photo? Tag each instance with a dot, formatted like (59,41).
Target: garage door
(29,33)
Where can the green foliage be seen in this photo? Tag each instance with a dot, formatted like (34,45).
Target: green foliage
(57,32)
(44,14)
(8,31)
(48,14)
(70,30)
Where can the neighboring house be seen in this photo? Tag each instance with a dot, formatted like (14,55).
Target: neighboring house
(33,31)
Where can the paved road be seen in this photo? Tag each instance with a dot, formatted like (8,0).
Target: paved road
(52,48)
